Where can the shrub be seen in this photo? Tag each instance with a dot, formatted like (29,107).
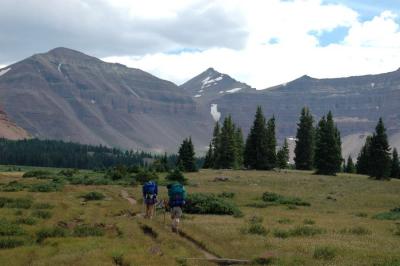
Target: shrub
(393,214)
(18,203)
(201,203)
(10,243)
(259,205)
(255,219)
(285,221)
(56,231)
(325,253)
(40,174)
(47,187)
(93,195)
(26,220)
(305,231)
(42,205)
(227,195)
(309,221)
(145,175)
(42,214)
(87,230)
(119,260)
(257,229)
(13,186)
(9,229)
(357,230)
(68,172)
(280,233)
(273,197)
(176,176)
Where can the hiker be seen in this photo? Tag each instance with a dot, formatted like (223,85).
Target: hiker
(150,191)
(176,195)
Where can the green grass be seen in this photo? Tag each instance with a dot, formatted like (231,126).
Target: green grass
(93,195)
(342,232)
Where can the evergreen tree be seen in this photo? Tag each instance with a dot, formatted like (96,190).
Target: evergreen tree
(304,150)
(283,156)
(226,150)
(208,160)
(239,147)
(211,156)
(256,148)
(186,160)
(363,158)
(328,158)
(379,153)
(395,171)
(271,143)
(350,168)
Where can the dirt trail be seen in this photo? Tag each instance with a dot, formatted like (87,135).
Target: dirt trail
(126,196)
(183,235)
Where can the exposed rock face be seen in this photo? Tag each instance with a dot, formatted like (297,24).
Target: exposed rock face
(9,130)
(67,95)
(356,102)
(211,85)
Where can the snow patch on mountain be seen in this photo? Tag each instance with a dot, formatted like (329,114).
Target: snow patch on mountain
(233,90)
(214,112)
(59,67)
(221,92)
(197,95)
(208,81)
(4,71)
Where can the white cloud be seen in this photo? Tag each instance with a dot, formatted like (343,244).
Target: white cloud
(370,47)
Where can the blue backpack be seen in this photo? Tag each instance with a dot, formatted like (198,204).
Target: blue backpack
(150,190)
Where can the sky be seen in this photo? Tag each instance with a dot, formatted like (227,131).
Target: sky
(260,42)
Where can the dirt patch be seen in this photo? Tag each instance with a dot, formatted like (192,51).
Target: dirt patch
(126,196)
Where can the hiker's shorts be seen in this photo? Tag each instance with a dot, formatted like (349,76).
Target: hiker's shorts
(176,212)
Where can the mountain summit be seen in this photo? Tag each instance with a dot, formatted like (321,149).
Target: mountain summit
(68,95)
(211,84)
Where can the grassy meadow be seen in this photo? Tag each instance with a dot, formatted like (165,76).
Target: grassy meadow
(309,220)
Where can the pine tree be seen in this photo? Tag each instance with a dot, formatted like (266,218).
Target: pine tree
(208,160)
(304,150)
(211,158)
(239,147)
(363,158)
(350,168)
(395,171)
(226,152)
(271,143)
(379,153)
(328,158)
(283,156)
(186,160)
(256,148)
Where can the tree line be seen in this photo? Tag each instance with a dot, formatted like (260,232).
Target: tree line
(318,147)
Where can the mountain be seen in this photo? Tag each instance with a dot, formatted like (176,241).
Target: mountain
(356,102)
(65,94)
(9,130)
(211,85)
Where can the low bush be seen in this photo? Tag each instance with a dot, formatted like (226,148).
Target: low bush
(285,221)
(257,229)
(304,230)
(40,174)
(273,197)
(42,206)
(308,221)
(393,214)
(325,253)
(259,205)
(85,180)
(227,195)
(26,220)
(10,229)
(357,230)
(10,242)
(202,203)
(55,231)
(42,214)
(119,260)
(176,176)
(13,186)
(47,187)
(17,203)
(146,175)
(93,195)
(68,172)
(87,230)
(256,219)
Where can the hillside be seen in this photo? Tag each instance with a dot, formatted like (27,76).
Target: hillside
(10,130)
(67,95)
